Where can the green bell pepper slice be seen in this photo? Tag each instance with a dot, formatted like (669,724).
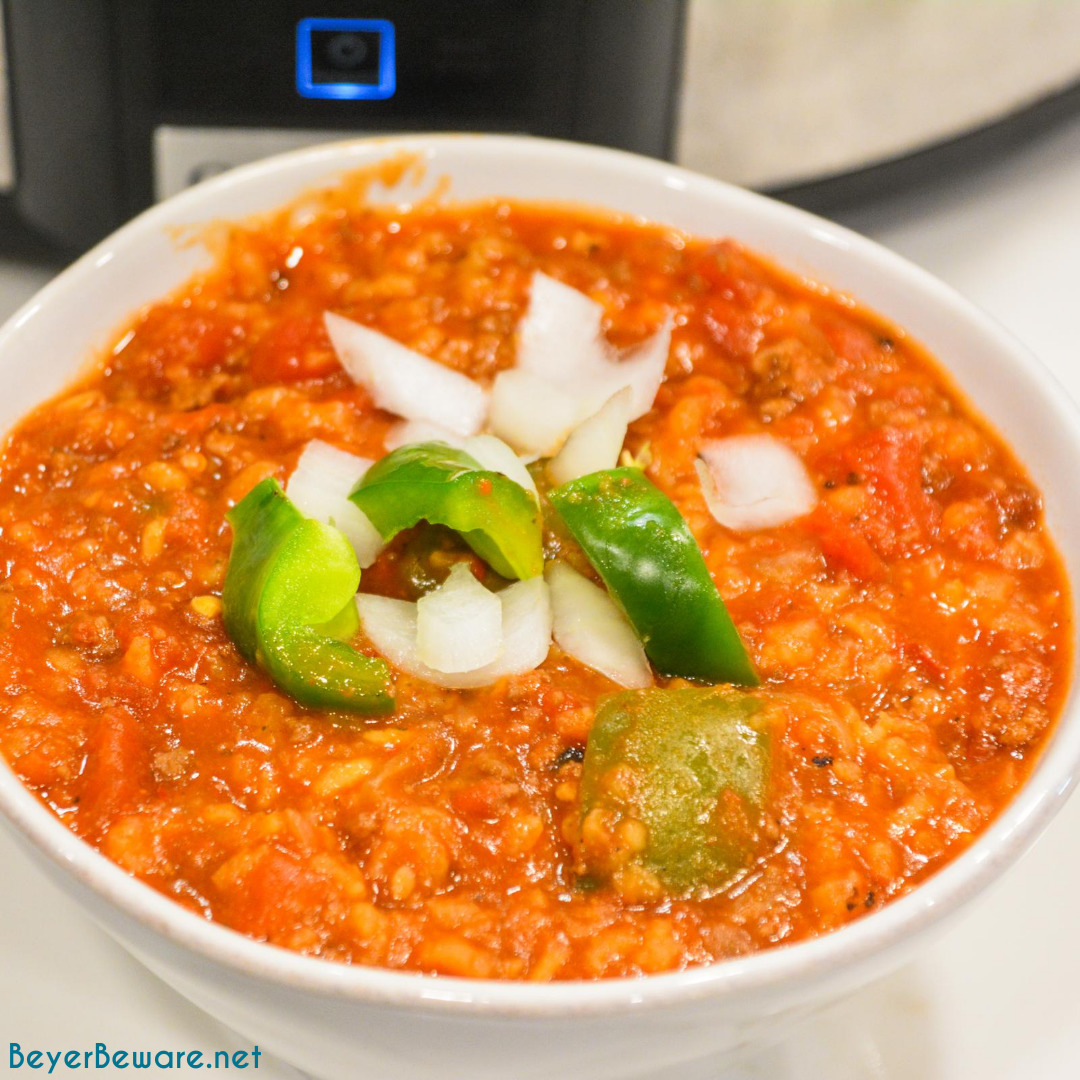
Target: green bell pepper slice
(288,604)
(692,765)
(639,543)
(437,483)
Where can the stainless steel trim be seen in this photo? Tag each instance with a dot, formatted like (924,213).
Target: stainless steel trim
(185,155)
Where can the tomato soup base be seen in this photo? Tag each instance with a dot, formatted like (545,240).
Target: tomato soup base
(920,613)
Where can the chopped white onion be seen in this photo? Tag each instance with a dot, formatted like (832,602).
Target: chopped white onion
(566,370)
(589,626)
(494,455)
(459,624)
(560,334)
(642,368)
(596,443)
(754,482)
(534,416)
(405,382)
(391,626)
(319,488)
(407,432)
(526,626)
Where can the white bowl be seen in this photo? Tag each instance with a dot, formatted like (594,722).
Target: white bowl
(339,1022)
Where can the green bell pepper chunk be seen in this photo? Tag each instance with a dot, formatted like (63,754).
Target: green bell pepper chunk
(434,482)
(692,765)
(288,604)
(641,546)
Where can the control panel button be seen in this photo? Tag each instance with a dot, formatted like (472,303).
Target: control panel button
(345,59)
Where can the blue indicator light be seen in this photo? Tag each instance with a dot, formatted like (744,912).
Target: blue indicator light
(345,59)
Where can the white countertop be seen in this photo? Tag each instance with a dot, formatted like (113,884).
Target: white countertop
(996,999)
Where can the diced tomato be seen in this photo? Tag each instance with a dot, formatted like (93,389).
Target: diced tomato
(897,512)
(172,337)
(117,774)
(736,334)
(891,460)
(724,266)
(280,893)
(190,519)
(293,349)
(858,345)
(197,422)
(729,315)
(485,799)
(920,655)
(843,545)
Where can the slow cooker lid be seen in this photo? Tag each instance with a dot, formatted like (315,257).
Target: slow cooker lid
(784,94)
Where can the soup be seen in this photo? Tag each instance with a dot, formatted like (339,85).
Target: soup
(672,779)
